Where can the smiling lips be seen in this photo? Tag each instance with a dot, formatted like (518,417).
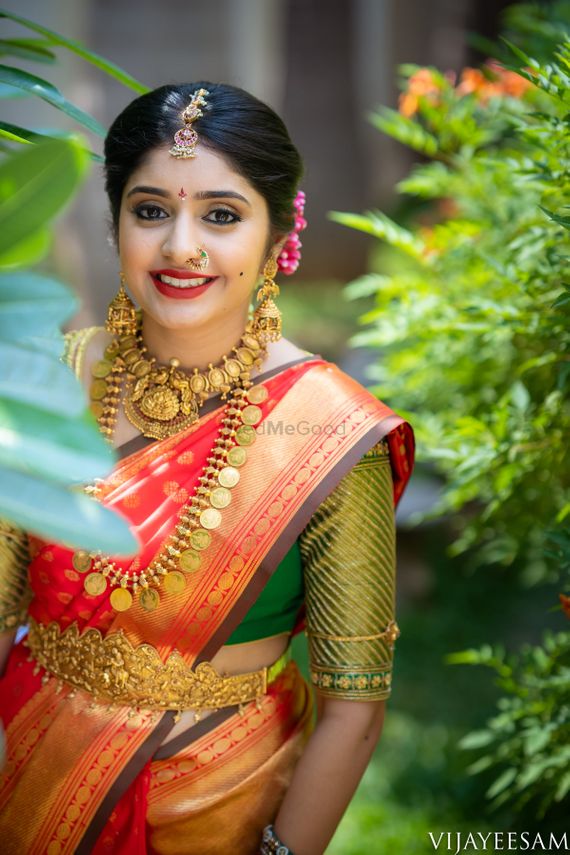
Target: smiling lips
(180,284)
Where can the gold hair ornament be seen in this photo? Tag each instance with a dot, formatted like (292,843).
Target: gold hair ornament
(186,138)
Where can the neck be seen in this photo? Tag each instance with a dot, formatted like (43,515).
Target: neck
(196,348)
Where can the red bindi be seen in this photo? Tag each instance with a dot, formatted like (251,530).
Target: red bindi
(183,195)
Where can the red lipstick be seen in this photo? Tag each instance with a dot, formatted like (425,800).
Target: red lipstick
(179,293)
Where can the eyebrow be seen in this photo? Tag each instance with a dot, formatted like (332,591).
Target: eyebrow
(203,194)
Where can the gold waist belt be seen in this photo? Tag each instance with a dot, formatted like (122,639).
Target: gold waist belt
(110,668)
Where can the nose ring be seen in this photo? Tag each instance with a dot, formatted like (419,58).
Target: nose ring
(200,260)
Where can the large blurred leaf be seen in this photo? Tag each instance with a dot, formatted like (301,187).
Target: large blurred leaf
(24,136)
(68,517)
(32,305)
(75,47)
(34,186)
(52,444)
(30,251)
(40,380)
(47,92)
(32,49)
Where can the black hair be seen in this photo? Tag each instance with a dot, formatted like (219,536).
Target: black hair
(244,130)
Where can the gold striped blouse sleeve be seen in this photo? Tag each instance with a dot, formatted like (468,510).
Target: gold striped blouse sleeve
(348,555)
(15,594)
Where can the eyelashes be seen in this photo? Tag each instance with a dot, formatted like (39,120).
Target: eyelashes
(148,212)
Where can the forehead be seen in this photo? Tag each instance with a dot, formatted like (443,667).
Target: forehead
(207,171)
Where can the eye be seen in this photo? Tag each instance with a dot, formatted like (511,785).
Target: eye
(149,211)
(222,217)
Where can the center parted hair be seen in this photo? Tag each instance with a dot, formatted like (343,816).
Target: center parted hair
(238,126)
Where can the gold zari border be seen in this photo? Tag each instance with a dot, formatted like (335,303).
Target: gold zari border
(110,668)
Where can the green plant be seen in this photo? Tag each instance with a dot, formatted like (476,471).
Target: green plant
(471,318)
(49,442)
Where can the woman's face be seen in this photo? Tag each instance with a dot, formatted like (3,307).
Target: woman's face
(170,208)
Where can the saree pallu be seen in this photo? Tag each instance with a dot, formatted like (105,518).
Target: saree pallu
(77,763)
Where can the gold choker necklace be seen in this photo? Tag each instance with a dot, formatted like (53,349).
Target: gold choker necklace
(162,400)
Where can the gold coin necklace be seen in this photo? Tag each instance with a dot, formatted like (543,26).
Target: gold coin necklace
(182,551)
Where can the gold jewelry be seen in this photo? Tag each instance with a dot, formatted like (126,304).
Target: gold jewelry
(112,669)
(163,400)
(181,552)
(186,138)
(267,317)
(121,314)
(200,261)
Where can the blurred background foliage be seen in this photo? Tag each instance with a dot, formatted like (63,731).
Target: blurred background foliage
(470,323)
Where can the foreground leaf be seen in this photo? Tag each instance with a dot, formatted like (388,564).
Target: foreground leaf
(47,92)
(62,516)
(35,184)
(52,444)
(75,47)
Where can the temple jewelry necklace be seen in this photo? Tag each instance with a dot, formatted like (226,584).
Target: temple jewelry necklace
(181,552)
(162,400)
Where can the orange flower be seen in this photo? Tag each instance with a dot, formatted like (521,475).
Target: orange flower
(504,83)
(422,84)
(565,603)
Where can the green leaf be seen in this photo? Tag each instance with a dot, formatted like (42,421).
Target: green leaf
(34,185)
(29,251)
(365,286)
(24,135)
(379,225)
(47,92)
(75,47)
(39,380)
(33,305)
(477,739)
(405,130)
(12,93)
(53,445)
(562,221)
(11,136)
(32,49)
(63,516)
(502,782)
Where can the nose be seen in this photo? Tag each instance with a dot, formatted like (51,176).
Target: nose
(182,240)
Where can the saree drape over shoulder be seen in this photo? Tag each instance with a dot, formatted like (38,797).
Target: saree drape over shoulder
(87,704)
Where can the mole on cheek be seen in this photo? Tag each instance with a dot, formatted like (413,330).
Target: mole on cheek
(241,274)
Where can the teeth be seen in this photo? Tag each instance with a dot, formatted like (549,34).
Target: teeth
(183,283)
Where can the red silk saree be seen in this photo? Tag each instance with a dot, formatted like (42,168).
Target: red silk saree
(84,774)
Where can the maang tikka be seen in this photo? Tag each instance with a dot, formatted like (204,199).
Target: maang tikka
(267,317)
(186,138)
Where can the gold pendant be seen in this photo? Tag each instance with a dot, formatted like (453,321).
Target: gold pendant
(149,599)
(121,599)
(95,584)
(189,560)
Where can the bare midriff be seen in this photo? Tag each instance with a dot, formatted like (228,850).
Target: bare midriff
(236,659)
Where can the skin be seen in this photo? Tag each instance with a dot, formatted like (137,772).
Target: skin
(200,331)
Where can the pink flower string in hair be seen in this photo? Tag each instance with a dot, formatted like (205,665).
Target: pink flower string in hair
(290,255)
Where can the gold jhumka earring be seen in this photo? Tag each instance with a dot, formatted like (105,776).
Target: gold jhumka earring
(121,314)
(267,317)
